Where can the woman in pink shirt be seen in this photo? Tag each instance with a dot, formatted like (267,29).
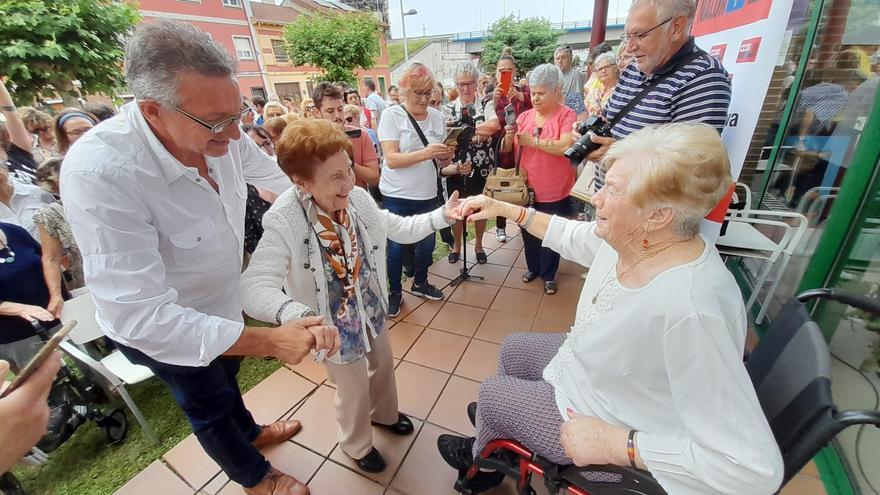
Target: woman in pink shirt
(540,137)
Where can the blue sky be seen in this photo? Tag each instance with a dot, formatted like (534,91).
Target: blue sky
(451,16)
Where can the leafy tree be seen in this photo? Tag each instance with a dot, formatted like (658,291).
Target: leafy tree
(45,45)
(337,44)
(532,41)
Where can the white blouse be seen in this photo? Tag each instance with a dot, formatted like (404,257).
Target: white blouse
(666,360)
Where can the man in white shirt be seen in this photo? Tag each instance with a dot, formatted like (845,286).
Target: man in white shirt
(373,101)
(19,202)
(156,201)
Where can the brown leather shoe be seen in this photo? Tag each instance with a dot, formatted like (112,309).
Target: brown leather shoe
(278,483)
(276,432)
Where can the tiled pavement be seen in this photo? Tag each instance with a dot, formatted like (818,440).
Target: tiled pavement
(442,351)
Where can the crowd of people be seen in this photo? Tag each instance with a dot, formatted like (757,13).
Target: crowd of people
(192,208)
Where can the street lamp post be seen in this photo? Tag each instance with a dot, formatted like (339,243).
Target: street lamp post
(403,26)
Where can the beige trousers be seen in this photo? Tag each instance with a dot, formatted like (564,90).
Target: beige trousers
(366,392)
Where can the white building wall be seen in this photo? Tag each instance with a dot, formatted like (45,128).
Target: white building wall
(441,56)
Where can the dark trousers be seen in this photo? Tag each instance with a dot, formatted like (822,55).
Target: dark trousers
(544,261)
(424,249)
(211,400)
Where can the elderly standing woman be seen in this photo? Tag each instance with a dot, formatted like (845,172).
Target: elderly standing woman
(39,123)
(607,73)
(408,181)
(540,138)
(323,252)
(572,80)
(70,125)
(654,359)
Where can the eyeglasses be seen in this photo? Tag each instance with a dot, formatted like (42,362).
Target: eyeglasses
(40,129)
(470,84)
(350,120)
(423,94)
(310,108)
(604,68)
(638,37)
(217,128)
(78,132)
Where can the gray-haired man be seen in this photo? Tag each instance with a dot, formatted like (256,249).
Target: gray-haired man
(156,201)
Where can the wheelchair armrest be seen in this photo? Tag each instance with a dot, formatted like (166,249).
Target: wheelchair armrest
(609,479)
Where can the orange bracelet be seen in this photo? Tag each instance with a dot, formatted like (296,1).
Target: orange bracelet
(631,447)
(522,215)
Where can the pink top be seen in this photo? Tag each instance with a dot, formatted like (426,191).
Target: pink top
(552,177)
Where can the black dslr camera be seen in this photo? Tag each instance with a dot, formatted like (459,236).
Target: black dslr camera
(584,146)
(469,124)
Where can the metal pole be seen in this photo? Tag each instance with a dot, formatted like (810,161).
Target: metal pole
(403,26)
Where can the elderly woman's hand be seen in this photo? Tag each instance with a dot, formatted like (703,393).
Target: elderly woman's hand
(326,337)
(588,440)
(527,139)
(293,340)
(481,207)
(438,151)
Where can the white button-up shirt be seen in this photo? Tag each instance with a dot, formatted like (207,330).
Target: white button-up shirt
(26,201)
(161,248)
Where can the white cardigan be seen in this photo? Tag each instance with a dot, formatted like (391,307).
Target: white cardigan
(288,256)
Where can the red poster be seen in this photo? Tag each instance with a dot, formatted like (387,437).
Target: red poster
(748,50)
(718,15)
(718,51)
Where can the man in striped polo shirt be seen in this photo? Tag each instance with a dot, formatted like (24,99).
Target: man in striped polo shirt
(696,87)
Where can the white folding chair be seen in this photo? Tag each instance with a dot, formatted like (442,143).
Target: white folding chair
(743,239)
(115,368)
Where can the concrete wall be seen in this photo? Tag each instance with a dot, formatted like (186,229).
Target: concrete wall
(441,56)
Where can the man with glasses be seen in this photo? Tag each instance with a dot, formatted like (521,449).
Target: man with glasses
(696,87)
(156,202)
(329,106)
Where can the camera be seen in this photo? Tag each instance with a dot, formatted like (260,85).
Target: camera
(468,124)
(353,133)
(584,146)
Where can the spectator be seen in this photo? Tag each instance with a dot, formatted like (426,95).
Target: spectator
(352,114)
(373,101)
(408,181)
(275,126)
(19,202)
(259,104)
(436,100)
(274,109)
(606,72)
(15,142)
(483,86)
(24,413)
(601,48)
(623,58)
(329,106)
(101,111)
(367,119)
(550,174)
(572,80)
(261,138)
(70,125)
(39,124)
(521,98)
(393,96)
(308,108)
(291,105)
(161,242)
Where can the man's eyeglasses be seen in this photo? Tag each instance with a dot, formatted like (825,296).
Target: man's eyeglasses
(217,128)
(638,37)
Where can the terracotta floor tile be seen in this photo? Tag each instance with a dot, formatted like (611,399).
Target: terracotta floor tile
(156,478)
(570,268)
(424,472)
(333,479)
(408,304)
(190,461)
(480,361)
(521,261)
(503,257)
(424,314)
(418,388)
(803,485)
(523,303)
(310,370)
(289,458)
(489,240)
(445,269)
(439,282)
(492,274)
(514,280)
(810,470)
(546,326)
(474,294)
(392,447)
(276,395)
(402,337)
(496,326)
(438,350)
(451,409)
(514,244)
(318,417)
(215,486)
(569,285)
(557,308)
(458,318)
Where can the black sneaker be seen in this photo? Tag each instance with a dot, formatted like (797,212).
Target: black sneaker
(457,451)
(394,304)
(472,413)
(409,271)
(427,291)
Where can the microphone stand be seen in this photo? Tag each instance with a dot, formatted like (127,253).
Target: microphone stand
(465,271)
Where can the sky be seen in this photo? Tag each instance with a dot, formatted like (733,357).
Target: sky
(451,16)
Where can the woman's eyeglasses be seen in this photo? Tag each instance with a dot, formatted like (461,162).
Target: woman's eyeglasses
(350,120)
(78,132)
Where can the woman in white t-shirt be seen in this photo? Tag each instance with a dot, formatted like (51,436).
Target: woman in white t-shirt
(409,174)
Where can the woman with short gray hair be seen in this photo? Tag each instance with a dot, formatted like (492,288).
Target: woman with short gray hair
(539,139)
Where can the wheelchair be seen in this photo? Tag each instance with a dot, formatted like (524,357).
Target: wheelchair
(791,371)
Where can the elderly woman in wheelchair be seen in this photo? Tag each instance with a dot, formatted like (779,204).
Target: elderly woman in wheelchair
(651,375)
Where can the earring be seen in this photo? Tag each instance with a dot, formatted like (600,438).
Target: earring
(645,243)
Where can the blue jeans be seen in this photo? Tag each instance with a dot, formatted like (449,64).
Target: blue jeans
(211,400)
(424,248)
(543,261)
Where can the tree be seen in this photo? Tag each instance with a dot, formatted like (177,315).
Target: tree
(532,41)
(46,45)
(335,43)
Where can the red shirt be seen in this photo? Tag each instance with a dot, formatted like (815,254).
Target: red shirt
(552,177)
(364,153)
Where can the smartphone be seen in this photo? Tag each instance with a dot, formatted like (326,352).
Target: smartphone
(451,138)
(38,360)
(506,79)
(509,115)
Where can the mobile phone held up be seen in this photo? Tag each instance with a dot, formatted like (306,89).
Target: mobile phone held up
(506,80)
(509,115)
(41,357)
(452,134)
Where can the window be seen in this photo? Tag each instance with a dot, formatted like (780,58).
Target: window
(382,85)
(231,3)
(280,54)
(258,91)
(243,48)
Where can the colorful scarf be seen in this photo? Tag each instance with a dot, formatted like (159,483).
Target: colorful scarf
(338,238)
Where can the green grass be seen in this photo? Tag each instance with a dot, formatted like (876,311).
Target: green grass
(87,465)
(395,50)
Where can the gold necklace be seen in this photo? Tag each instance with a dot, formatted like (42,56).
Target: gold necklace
(631,268)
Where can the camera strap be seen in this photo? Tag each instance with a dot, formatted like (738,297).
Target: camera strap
(421,135)
(650,87)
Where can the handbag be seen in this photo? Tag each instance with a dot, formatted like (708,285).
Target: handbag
(583,187)
(508,184)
